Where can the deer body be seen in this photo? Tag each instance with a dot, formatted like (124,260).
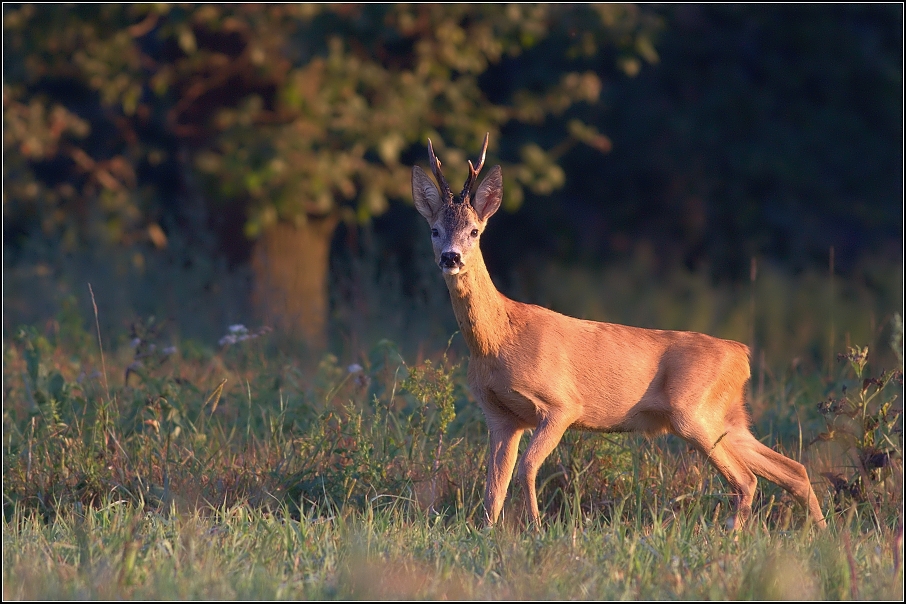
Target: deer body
(533,368)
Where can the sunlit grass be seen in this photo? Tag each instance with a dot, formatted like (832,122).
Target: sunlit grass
(193,469)
(318,485)
(391,552)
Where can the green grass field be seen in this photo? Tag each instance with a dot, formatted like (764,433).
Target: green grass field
(157,467)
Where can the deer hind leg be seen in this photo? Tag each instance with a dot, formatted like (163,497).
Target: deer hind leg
(779,469)
(737,473)
(716,445)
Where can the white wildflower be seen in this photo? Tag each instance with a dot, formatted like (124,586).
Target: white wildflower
(241,333)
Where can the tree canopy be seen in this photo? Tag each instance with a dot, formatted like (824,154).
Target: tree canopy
(296,110)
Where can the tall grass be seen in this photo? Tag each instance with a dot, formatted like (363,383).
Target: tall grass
(392,552)
(188,465)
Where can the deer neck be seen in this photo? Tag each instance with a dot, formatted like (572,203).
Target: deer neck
(479,308)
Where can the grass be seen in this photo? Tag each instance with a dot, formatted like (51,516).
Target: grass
(175,468)
(389,551)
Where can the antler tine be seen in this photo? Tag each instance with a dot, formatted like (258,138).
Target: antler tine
(473,171)
(484,152)
(435,168)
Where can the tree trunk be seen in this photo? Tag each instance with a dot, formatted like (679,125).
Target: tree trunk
(290,264)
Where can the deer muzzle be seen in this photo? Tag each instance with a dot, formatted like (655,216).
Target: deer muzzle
(450,262)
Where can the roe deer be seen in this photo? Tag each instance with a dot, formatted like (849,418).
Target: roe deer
(533,368)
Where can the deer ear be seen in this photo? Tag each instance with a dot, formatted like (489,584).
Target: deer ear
(489,194)
(425,194)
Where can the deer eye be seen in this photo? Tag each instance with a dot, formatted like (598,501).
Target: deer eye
(474,232)
(434,233)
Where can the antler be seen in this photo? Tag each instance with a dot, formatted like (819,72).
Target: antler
(467,190)
(435,168)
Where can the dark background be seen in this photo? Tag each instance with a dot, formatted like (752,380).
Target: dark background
(766,132)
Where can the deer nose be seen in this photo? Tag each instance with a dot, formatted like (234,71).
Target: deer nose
(450,259)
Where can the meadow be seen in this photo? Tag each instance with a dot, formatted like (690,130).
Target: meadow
(154,448)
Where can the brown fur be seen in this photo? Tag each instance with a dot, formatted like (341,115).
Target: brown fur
(534,369)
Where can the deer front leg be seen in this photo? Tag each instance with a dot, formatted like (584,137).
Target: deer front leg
(504,449)
(545,438)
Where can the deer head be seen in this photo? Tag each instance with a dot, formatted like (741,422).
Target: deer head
(456,221)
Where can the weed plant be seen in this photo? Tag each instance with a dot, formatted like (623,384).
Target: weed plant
(868,427)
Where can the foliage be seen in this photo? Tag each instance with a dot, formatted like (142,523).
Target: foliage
(433,385)
(429,384)
(869,426)
(159,433)
(295,111)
